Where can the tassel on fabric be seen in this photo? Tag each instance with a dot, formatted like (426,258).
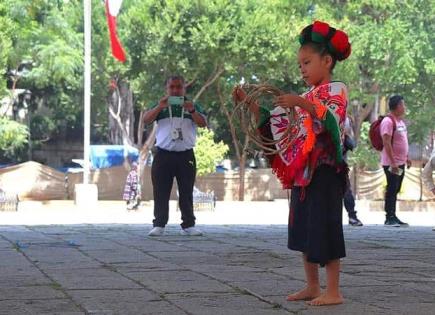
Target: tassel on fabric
(311,136)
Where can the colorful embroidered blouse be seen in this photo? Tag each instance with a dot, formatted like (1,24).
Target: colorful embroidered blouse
(319,139)
(131,186)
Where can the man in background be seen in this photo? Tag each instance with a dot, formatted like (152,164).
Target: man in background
(177,120)
(394,156)
(348,198)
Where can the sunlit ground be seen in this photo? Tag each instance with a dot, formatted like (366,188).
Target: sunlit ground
(226,213)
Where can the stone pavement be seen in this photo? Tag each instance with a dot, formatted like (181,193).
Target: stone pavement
(232,269)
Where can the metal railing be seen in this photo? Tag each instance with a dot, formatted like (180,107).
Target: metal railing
(8,201)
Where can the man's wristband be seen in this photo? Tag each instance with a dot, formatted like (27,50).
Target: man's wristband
(192,111)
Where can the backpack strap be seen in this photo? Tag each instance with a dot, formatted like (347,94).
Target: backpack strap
(394,126)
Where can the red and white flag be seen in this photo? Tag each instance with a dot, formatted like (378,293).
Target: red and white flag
(112,9)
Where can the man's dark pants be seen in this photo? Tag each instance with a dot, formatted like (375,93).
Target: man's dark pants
(349,202)
(394,184)
(167,165)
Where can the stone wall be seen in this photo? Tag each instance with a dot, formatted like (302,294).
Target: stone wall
(57,154)
(260,185)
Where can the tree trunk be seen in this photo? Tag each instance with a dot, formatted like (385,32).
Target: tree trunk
(242,169)
(128,114)
(121,118)
(360,114)
(355,181)
(230,122)
(11,98)
(143,153)
(140,128)
(241,151)
(213,77)
(420,179)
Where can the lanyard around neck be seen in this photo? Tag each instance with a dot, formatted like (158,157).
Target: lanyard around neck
(170,112)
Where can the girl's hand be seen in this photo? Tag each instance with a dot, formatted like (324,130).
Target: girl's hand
(288,100)
(239,94)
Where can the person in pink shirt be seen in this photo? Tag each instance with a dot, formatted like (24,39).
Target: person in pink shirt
(394,156)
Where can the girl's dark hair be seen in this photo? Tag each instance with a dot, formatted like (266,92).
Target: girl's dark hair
(394,101)
(174,77)
(326,40)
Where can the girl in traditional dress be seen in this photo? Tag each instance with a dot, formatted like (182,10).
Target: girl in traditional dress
(313,165)
(132,188)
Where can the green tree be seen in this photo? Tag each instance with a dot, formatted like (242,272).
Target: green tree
(391,54)
(46,58)
(207,42)
(13,138)
(5,47)
(215,44)
(364,156)
(208,152)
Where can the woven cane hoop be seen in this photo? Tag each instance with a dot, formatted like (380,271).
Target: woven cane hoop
(249,124)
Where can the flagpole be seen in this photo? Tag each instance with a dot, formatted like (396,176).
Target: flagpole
(86,195)
(87,88)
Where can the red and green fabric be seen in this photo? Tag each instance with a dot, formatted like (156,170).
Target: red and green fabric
(318,139)
(336,41)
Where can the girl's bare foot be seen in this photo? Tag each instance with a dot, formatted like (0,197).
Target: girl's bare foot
(307,293)
(326,299)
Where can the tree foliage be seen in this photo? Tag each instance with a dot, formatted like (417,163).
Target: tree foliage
(5,47)
(208,153)
(46,58)
(13,139)
(215,44)
(364,156)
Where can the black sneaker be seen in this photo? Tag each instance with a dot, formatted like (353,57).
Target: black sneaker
(391,222)
(354,221)
(400,222)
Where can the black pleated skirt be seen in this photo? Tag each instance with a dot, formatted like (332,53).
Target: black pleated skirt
(315,220)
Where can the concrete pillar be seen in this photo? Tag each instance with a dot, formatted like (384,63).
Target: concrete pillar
(85,195)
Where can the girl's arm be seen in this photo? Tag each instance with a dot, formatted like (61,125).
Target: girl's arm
(328,106)
(240,95)
(323,103)
(292,100)
(388,145)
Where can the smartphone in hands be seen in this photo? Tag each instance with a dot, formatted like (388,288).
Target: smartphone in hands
(176,100)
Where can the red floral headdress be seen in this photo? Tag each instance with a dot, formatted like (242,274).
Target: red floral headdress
(336,41)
